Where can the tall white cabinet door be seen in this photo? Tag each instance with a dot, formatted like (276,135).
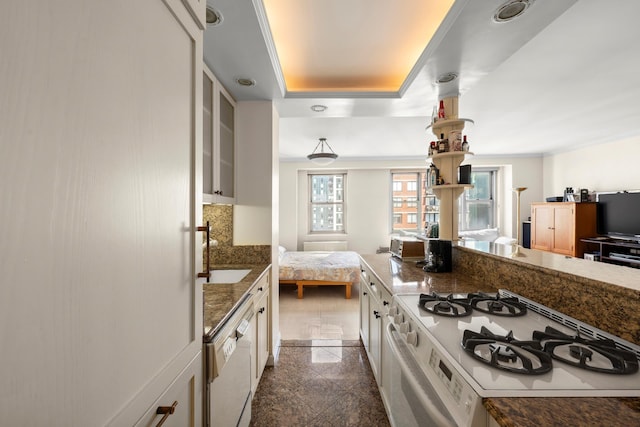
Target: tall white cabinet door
(100,153)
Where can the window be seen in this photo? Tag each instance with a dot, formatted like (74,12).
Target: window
(478,204)
(327,203)
(408,210)
(413,209)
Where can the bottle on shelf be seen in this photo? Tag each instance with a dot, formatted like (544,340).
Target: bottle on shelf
(443,144)
(432,175)
(433,148)
(465,143)
(434,115)
(441,112)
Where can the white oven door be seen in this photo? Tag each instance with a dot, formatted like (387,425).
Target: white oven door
(413,402)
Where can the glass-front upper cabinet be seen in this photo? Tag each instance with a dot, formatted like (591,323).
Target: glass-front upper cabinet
(219,110)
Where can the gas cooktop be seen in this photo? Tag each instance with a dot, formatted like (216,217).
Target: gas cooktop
(506,345)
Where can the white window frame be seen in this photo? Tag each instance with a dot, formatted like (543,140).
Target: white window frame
(342,203)
(493,200)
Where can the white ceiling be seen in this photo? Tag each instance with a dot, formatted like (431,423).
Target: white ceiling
(561,76)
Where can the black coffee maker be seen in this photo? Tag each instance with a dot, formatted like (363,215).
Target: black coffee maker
(438,256)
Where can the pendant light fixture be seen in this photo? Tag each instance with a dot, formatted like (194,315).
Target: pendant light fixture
(322,157)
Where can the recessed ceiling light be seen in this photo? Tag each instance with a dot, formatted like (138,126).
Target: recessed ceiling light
(446,78)
(213,17)
(245,82)
(318,108)
(511,10)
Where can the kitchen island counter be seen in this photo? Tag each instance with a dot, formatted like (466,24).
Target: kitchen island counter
(403,277)
(222,299)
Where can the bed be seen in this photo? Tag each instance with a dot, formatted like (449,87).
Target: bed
(313,268)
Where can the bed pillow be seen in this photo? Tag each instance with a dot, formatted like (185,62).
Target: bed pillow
(281,251)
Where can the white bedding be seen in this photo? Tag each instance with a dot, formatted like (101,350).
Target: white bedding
(340,266)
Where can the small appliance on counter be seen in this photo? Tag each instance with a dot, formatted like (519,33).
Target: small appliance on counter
(438,256)
(407,248)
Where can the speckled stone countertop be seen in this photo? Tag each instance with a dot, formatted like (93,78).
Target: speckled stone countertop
(404,277)
(222,299)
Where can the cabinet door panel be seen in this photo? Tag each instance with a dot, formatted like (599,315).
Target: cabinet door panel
(564,230)
(542,227)
(207,134)
(184,395)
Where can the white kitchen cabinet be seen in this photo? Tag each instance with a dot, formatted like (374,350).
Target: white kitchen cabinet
(181,402)
(364,307)
(219,141)
(374,305)
(262,319)
(197,10)
(110,161)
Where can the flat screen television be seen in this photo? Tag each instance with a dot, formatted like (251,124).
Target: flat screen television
(619,215)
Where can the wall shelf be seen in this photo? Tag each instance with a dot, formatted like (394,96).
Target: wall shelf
(444,124)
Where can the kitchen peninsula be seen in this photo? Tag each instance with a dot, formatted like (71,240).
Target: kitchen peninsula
(578,288)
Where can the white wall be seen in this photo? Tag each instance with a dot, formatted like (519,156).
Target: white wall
(254,175)
(256,212)
(368,210)
(603,167)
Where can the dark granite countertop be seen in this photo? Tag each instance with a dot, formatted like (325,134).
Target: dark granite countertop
(404,277)
(221,300)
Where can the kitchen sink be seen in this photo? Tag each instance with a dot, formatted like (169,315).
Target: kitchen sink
(228,276)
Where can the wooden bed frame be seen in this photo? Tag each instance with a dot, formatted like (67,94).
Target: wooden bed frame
(302,283)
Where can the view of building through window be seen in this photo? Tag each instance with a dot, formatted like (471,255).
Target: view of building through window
(327,206)
(414,207)
(408,201)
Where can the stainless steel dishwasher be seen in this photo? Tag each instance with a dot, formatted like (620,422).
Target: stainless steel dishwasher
(228,394)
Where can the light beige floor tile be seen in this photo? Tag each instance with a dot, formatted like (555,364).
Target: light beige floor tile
(323,313)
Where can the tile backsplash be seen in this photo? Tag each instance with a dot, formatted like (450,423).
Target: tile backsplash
(220,219)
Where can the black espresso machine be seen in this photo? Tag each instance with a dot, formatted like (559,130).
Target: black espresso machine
(437,256)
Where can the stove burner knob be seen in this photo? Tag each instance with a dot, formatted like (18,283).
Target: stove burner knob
(404,327)
(412,338)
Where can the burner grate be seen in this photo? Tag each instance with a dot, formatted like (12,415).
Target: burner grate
(506,353)
(584,329)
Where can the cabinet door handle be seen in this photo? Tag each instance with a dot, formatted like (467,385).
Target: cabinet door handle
(207,273)
(166,411)
(385,302)
(260,289)
(376,313)
(261,310)
(364,293)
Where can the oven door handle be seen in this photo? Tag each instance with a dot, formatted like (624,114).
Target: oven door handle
(419,383)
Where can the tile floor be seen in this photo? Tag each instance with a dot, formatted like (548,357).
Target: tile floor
(322,376)
(323,313)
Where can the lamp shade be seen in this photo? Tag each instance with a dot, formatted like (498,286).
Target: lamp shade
(322,157)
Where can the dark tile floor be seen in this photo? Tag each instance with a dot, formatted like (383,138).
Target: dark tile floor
(319,383)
